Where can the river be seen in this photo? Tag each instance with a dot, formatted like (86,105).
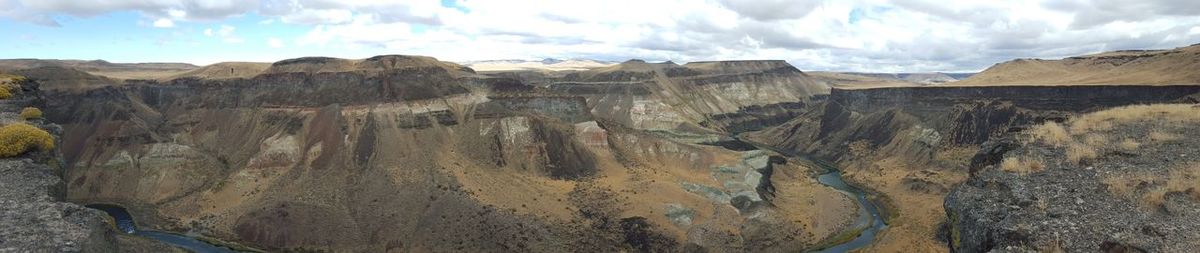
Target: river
(126,224)
(869,222)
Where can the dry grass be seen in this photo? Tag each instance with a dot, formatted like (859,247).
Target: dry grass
(1078,153)
(1096,140)
(1129,144)
(1150,191)
(859,148)
(1022,166)
(1086,135)
(1050,133)
(1159,136)
(1104,120)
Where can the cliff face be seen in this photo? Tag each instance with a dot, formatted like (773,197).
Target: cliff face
(419,157)
(36,216)
(945,116)
(1120,180)
(729,96)
(914,144)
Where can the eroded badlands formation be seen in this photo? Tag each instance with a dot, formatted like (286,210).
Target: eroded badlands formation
(411,154)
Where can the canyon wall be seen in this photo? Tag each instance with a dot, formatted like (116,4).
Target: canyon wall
(912,145)
(36,215)
(727,96)
(340,156)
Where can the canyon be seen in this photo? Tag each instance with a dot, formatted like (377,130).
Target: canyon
(400,153)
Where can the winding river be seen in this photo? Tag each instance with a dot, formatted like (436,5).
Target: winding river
(869,222)
(126,224)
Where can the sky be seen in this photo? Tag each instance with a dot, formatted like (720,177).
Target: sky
(845,35)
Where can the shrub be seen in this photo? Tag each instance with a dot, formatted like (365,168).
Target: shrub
(1021,166)
(1150,191)
(6,91)
(1130,144)
(31,113)
(1157,136)
(1078,153)
(1095,140)
(1051,133)
(18,138)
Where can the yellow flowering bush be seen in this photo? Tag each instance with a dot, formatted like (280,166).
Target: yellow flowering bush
(6,91)
(31,113)
(18,138)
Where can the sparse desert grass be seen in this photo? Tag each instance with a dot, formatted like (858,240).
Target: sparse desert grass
(956,156)
(6,91)
(860,148)
(1186,179)
(1050,133)
(1078,153)
(1086,136)
(1150,191)
(1022,165)
(1129,144)
(1159,136)
(1095,140)
(1104,120)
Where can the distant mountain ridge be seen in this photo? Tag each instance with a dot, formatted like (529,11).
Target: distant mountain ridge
(547,64)
(1161,67)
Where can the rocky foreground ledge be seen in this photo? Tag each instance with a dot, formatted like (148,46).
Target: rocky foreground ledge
(1120,180)
(33,215)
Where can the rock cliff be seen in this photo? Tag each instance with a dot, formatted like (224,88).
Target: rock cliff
(1120,180)
(911,145)
(399,153)
(728,96)
(36,217)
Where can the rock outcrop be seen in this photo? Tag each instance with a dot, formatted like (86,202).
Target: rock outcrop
(412,154)
(1139,194)
(35,217)
(729,96)
(913,144)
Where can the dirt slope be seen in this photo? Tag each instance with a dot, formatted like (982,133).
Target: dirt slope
(1163,67)
(394,153)
(224,70)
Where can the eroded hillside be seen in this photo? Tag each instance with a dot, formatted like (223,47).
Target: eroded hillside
(399,153)
(727,96)
(912,145)
(1133,67)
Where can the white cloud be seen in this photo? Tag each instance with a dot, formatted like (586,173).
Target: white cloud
(275,43)
(164,23)
(856,35)
(225,33)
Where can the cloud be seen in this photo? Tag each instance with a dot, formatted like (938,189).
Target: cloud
(275,43)
(768,10)
(1090,14)
(850,35)
(164,23)
(225,33)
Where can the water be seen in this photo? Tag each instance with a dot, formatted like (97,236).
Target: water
(870,219)
(125,223)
